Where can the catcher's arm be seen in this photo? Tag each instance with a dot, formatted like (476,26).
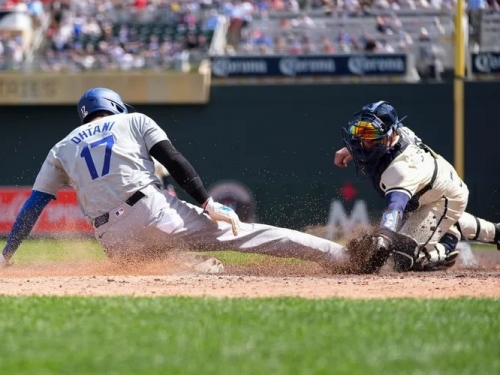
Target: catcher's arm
(369,253)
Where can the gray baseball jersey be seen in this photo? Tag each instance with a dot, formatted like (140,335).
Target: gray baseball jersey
(105,161)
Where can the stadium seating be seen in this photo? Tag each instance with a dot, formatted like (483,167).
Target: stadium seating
(166,30)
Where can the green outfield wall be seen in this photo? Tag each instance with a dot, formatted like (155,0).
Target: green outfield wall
(279,141)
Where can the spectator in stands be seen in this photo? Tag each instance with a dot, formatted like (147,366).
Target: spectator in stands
(344,38)
(279,44)
(382,26)
(211,21)
(370,46)
(36,11)
(308,46)
(351,8)
(384,47)
(119,41)
(429,64)
(304,21)
(326,46)
(474,10)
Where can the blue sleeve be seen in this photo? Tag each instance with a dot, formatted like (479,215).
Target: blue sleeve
(395,202)
(25,220)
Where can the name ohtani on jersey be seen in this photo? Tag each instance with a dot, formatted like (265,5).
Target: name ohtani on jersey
(92,131)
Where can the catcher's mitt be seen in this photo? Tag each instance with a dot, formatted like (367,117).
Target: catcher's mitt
(364,257)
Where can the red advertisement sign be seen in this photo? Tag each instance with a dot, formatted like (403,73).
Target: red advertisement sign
(61,216)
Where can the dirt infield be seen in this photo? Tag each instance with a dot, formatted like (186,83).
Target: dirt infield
(305,280)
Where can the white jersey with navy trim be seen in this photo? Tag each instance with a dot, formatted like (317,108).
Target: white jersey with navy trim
(105,161)
(442,203)
(413,169)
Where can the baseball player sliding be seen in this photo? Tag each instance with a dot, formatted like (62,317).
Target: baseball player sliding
(425,198)
(108,160)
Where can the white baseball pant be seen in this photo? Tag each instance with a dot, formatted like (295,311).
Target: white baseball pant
(431,221)
(160,222)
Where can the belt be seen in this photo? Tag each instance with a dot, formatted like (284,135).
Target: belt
(104,218)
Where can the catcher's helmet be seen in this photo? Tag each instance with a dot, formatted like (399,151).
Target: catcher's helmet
(384,111)
(101,99)
(375,121)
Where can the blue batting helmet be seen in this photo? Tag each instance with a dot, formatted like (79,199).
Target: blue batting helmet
(101,99)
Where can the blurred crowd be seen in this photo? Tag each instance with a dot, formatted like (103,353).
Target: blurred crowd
(81,35)
(125,35)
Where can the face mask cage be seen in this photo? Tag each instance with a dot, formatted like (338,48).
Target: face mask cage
(366,127)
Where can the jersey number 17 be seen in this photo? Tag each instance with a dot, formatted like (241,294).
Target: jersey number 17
(87,156)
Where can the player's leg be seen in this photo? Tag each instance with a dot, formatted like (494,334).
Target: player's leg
(433,228)
(161,222)
(477,229)
(190,229)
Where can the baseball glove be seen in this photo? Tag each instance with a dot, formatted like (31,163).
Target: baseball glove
(364,256)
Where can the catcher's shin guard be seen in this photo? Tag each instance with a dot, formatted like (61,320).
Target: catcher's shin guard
(436,259)
(408,256)
(442,255)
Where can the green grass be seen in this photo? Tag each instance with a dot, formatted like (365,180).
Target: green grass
(56,251)
(50,335)
(59,250)
(130,335)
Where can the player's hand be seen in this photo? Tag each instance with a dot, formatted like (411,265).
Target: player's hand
(342,157)
(219,212)
(4,262)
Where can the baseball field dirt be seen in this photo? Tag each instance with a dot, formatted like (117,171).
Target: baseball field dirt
(263,279)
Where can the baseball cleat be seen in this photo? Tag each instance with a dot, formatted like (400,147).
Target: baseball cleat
(210,266)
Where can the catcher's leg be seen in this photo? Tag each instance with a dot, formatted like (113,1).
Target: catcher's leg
(477,229)
(433,228)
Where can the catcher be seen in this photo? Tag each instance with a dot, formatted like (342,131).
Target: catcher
(425,198)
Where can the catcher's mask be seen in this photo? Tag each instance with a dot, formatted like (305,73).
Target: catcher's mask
(367,135)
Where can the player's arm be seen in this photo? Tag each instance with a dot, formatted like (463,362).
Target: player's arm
(342,157)
(25,221)
(395,204)
(399,184)
(180,169)
(49,180)
(185,175)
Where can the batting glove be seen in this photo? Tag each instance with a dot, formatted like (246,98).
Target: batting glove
(219,212)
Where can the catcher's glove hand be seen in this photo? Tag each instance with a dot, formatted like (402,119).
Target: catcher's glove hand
(369,253)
